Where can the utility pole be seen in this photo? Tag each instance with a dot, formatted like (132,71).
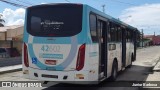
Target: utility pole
(142,38)
(103,8)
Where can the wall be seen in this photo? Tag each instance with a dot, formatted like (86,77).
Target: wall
(16,44)
(15,34)
(2,35)
(5,44)
(11,33)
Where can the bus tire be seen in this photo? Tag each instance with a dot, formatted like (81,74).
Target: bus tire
(130,65)
(114,71)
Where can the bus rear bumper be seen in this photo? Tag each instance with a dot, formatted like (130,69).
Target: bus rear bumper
(75,77)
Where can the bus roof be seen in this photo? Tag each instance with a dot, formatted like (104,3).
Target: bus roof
(111,18)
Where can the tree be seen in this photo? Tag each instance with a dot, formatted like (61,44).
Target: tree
(1,21)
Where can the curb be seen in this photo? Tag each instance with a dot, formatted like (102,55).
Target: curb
(10,69)
(155,61)
(155,67)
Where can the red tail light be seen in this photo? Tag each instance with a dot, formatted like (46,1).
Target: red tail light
(26,63)
(81,57)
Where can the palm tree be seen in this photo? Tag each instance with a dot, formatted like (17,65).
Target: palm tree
(1,21)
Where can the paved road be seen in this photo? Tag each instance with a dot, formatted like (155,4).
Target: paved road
(140,71)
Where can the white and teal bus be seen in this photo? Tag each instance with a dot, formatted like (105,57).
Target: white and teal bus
(75,42)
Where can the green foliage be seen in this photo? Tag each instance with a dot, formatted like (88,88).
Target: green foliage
(1,21)
(145,39)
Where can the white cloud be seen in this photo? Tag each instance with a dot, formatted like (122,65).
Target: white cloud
(20,12)
(19,22)
(13,17)
(43,3)
(145,17)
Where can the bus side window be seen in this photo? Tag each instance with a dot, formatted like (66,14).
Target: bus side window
(93,21)
(113,32)
(128,35)
(119,34)
(132,36)
(109,35)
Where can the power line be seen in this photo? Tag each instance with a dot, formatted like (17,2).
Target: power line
(14,4)
(126,3)
(25,2)
(132,4)
(117,1)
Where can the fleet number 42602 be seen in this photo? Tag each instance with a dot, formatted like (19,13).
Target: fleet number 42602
(50,48)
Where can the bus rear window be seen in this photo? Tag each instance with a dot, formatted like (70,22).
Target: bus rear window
(54,20)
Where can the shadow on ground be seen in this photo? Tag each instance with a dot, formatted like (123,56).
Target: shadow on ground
(123,82)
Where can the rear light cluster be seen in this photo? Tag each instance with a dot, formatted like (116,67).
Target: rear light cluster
(25,52)
(80,58)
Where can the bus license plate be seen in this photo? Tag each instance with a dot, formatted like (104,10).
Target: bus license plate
(50,62)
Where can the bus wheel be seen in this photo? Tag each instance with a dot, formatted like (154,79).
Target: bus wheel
(114,71)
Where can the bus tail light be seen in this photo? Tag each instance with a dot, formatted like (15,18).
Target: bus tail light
(25,52)
(80,58)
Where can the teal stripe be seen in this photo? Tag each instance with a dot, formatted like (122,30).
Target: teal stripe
(41,65)
(25,34)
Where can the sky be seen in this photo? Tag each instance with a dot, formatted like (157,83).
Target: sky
(142,14)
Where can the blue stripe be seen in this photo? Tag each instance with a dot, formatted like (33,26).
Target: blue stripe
(38,63)
(55,40)
(82,36)
(25,34)
(63,65)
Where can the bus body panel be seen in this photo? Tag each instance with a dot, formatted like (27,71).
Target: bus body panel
(93,51)
(42,48)
(114,54)
(129,51)
(65,50)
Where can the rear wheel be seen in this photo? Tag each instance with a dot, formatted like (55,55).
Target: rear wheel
(114,71)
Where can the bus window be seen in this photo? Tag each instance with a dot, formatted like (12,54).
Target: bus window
(119,34)
(128,35)
(57,21)
(93,28)
(113,32)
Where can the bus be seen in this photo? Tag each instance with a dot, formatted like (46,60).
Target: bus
(66,42)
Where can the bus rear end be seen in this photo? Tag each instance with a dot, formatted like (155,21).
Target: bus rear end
(54,47)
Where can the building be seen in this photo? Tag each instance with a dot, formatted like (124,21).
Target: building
(11,37)
(156,40)
(149,40)
(15,34)
(11,32)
